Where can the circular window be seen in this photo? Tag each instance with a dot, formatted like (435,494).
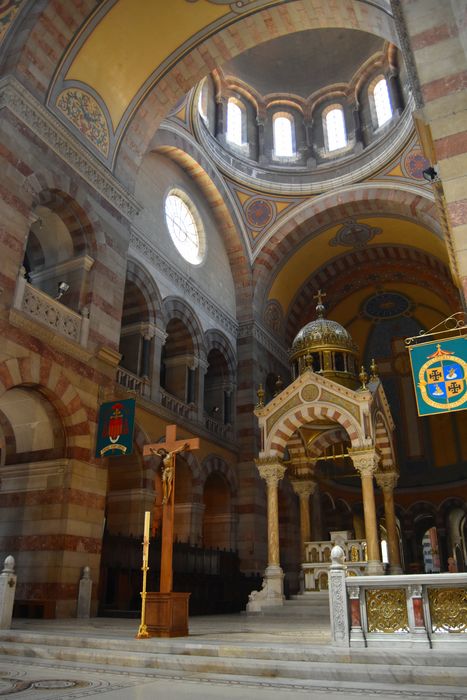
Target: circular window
(185,227)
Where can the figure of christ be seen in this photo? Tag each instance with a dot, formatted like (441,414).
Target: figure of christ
(168,468)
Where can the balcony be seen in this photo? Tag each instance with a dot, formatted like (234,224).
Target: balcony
(46,318)
(131,382)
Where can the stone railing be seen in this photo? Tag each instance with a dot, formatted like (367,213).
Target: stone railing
(318,560)
(50,313)
(422,609)
(217,428)
(187,411)
(131,382)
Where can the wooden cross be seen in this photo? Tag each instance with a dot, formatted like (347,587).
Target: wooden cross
(167,451)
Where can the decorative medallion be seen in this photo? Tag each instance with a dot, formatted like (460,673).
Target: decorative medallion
(310,392)
(259,212)
(8,11)
(386,305)
(354,235)
(83,111)
(415,163)
(273,316)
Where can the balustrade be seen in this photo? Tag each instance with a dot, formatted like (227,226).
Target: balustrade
(140,385)
(318,560)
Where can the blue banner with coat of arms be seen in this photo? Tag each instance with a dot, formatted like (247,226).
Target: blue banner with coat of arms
(439,372)
(115,428)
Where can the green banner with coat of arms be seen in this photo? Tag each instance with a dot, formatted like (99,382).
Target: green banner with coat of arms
(439,372)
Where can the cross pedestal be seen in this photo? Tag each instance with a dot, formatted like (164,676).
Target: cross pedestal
(166,611)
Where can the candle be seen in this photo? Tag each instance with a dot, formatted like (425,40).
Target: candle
(147,518)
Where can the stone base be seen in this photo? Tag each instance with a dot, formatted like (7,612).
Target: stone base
(375,568)
(167,614)
(271,593)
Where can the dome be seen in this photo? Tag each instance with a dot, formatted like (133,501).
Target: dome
(326,347)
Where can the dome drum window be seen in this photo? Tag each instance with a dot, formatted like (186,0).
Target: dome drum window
(185,226)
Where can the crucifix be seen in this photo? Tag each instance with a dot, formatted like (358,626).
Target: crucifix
(167,451)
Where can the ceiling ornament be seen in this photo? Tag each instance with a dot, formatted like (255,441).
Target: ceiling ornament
(355,235)
(386,305)
(238,7)
(83,111)
(8,11)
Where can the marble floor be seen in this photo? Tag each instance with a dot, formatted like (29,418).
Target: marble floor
(34,675)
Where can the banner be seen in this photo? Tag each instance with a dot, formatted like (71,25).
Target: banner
(115,428)
(439,371)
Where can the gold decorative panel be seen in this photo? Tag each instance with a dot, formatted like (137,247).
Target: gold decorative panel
(340,401)
(291,403)
(387,610)
(448,608)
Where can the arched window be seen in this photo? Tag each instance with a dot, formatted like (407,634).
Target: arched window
(283,135)
(185,226)
(335,131)
(235,118)
(382,102)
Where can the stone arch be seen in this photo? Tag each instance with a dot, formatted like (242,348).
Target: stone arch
(383,441)
(48,377)
(136,273)
(191,158)
(214,463)
(276,440)
(216,340)
(264,25)
(319,213)
(177,308)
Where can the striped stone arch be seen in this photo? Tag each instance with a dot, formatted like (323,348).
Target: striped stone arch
(191,157)
(137,274)
(51,189)
(215,340)
(46,376)
(320,213)
(329,438)
(177,308)
(383,442)
(213,463)
(276,440)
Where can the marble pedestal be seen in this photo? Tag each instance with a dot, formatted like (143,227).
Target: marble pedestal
(271,593)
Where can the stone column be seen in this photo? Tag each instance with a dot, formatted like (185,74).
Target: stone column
(387,483)
(221,117)
(160,336)
(366,462)
(260,121)
(394,90)
(304,489)
(7,592)
(202,365)
(272,471)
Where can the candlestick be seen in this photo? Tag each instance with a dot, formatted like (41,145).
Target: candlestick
(143,630)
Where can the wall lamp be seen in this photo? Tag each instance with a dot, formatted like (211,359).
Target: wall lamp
(430,174)
(63,287)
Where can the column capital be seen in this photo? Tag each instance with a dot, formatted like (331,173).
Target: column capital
(271,469)
(364,461)
(304,488)
(387,481)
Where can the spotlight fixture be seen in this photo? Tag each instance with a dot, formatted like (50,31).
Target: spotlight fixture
(430,174)
(63,287)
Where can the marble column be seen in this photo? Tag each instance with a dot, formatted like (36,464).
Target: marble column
(395,93)
(387,483)
(160,336)
(272,471)
(304,488)
(366,462)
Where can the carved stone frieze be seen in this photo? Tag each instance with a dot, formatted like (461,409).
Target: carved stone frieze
(186,286)
(259,333)
(15,97)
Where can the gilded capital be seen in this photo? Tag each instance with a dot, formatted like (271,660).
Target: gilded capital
(387,481)
(271,469)
(304,488)
(365,461)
